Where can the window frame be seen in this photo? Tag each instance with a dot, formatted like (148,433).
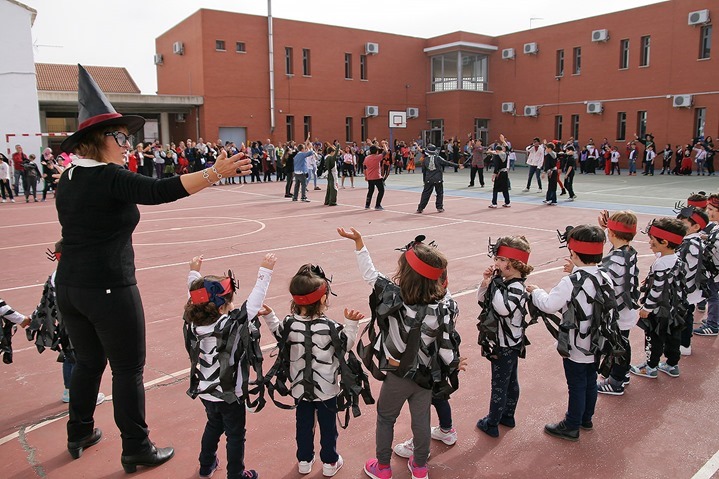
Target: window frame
(700,122)
(240,47)
(306,126)
(363,67)
(559,63)
(558,126)
(621,125)
(289,61)
(348,129)
(306,62)
(348,66)
(575,126)
(645,50)
(290,127)
(577,61)
(364,129)
(220,46)
(705,42)
(624,54)
(642,120)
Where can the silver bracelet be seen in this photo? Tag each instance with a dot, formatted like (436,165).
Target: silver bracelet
(219,176)
(206,176)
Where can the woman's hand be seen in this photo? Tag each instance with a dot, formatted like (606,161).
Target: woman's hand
(265,310)
(269,261)
(236,165)
(353,315)
(196,263)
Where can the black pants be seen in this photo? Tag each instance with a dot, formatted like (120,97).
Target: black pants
(688,326)
(230,420)
(552,186)
(569,183)
(710,164)
(615,166)
(438,188)
(107,325)
(505,386)
(31,187)
(648,167)
(372,184)
(657,344)
(5,186)
(621,368)
(288,186)
(444,413)
(582,386)
(476,171)
(49,185)
(327,420)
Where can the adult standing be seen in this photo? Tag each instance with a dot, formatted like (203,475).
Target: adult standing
(332,157)
(19,172)
(49,169)
(5,179)
(300,169)
(552,172)
(288,160)
(570,167)
(97,291)
(500,177)
(271,159)
(590,165)
(647,142)
(476,150)
(535,160)
(373,175)
(433,178)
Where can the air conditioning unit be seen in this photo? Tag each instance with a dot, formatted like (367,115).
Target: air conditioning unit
(180,118)
(531,48)
(158,58)
(412,112)
(700,17)
(508,107)
(531,110)
(508,54)
(600,35)
(371,48)
(178,48)
(371,111)
(682,101)
(594,107)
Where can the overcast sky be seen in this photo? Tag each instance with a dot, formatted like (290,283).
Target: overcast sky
(122,33)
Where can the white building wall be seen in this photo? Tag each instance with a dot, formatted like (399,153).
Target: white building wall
(19,112)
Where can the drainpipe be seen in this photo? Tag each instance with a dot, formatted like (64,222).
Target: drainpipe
(272,66)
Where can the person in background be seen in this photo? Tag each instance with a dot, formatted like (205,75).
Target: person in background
(5,179)
(32,175)
(17,160)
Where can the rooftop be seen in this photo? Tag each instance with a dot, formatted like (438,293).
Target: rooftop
(58,77)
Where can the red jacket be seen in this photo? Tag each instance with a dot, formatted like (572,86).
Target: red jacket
(17,159)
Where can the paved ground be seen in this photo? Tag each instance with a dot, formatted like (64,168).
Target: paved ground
(664,428)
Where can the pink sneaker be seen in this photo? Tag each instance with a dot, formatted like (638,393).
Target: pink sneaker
(417,471)
(373,469)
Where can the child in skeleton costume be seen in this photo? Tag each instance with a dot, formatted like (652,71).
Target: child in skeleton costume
(415,352)
(621,264)
(588,328)
(710,327)
(8,319)
(311,342)
(663,302)
(223,342)
(696,277)
(502,323)
(47,330)
(700,200)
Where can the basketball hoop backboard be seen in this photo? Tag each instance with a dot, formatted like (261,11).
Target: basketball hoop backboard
(398,119)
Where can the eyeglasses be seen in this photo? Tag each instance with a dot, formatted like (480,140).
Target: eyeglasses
(120,137)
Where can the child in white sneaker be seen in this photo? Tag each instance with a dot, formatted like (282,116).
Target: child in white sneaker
(502,324)
(662,312)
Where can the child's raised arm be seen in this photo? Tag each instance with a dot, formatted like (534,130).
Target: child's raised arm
(255,301)
(364,262)
(354,235)
(194,274)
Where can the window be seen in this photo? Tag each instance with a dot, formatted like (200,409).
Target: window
(348,66)
(577,61)
(459,71)
(560,63)
(621,125)
(348,129)
(307,126)
(624,54)
(644,53)
(240,47)
(575,126)
(641,124)
(288,61)
(290,124)
(705,45)
(306,62)
(481,130)
(700,117)
(220,45)
(558,127)
(363,67)
(364,133)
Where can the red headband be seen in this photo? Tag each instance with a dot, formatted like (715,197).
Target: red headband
(657,232)
(698,203)
(697,218)
(311,298)
(621,227)
(586,247)
(200,296)
(429,272)
(513,253)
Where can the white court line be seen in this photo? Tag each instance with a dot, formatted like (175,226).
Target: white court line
(709,468)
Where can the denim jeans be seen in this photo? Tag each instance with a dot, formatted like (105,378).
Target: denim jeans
(230,420)
(632,166)
(67,367)
(19,179)
(536,171)
(582,385)
(444,413)
(713,305)
(312,175)
(305,433)
(300,182)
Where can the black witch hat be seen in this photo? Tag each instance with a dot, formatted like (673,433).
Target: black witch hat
(95,111)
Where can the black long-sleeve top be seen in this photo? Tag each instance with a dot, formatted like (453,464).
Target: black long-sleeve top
(97,208)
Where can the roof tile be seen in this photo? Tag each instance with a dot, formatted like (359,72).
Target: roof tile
(57,77)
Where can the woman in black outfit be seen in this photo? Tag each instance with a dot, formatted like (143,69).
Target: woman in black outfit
(96,287)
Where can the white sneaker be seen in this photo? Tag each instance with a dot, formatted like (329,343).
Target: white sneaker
(305,467)
(685,351)
(4,200)
(405,449)
(329,470)
(449,437)
(65,395)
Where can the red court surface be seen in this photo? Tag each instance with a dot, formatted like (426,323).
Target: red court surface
(661,428)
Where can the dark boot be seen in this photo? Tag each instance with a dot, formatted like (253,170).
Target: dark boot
(75,448)
(561,431)
(153,457)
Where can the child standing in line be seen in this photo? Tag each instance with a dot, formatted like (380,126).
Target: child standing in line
(621,264)
(502,323)
(314,384)
(586,281)
(416,346)
(661,315)
(710,327)
(8,319)
(210,315)
(691,254)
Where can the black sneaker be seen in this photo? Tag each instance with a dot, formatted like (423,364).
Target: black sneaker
(561,431)
(587,425)
(378,208)
(484,426)
(207,471)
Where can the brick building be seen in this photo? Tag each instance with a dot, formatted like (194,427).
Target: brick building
(647,69)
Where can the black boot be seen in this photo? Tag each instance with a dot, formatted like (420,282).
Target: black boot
(561,431)
(75,448)
(153,457)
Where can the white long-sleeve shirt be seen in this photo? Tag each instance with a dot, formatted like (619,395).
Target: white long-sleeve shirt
(208,345)
(535,156)
(10,314)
